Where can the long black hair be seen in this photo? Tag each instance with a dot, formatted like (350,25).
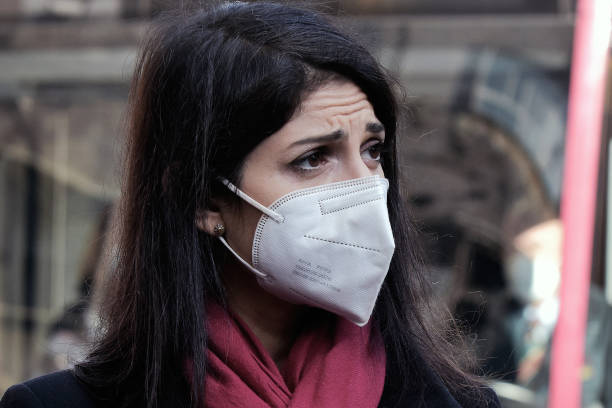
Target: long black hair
(209,85)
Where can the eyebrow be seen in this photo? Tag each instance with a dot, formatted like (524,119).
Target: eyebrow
(375,127)
(372,127)
(331,137)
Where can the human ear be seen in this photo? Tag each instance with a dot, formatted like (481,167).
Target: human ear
(210,221)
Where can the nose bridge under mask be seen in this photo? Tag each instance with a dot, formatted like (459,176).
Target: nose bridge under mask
(279,218)
(309,254)
(357,168)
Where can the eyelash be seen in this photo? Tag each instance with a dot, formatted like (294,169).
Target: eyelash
(320,151)
(380,148)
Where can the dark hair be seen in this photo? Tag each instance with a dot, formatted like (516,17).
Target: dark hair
(207,88)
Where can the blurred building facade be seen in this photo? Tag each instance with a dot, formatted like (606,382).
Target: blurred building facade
(482,151)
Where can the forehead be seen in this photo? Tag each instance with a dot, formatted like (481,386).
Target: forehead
(337,105)
(335,97)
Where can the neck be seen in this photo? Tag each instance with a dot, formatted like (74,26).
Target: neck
(275,322)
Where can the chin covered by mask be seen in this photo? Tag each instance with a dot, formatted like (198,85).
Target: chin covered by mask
(328,246)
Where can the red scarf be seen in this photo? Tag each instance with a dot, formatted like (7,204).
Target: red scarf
(335,364)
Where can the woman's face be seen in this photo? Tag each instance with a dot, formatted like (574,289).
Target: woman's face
(334,136)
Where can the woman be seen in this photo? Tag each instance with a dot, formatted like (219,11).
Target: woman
(266,258)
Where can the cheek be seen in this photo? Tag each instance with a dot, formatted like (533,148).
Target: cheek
(240,229)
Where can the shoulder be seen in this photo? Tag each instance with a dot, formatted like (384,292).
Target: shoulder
(59,389)
(487,398)
(483,397)
(438,395)
(428,390)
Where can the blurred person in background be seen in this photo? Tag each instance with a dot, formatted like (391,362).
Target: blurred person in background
(266,258)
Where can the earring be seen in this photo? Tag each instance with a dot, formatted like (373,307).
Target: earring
(219,229)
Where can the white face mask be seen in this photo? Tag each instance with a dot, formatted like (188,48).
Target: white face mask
(327,246)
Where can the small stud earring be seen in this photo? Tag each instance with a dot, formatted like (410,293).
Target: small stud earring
(219,229)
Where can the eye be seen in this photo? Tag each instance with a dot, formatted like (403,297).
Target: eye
(372,151)
(310,161)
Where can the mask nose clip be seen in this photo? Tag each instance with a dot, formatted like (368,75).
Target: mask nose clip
(307,255)
(272,214)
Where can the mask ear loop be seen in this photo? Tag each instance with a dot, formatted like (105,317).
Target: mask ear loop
(245,263)
(272,214)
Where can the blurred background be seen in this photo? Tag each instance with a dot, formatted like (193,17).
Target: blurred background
(487,82)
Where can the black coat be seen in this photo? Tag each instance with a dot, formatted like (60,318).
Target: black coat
(60,389)
(63,390)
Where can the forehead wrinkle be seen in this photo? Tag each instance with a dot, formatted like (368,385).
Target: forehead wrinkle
(354,117)
(341,109)
(321,101)
(334,93)
(334,103)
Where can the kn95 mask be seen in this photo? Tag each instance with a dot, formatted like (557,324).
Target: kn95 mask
(327,246)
